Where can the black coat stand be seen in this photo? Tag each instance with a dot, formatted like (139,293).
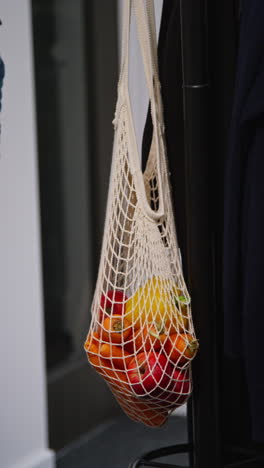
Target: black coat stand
(205,447)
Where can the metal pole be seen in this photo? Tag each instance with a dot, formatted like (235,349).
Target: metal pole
(200,229)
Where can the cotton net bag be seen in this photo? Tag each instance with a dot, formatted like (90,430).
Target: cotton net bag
(141,338)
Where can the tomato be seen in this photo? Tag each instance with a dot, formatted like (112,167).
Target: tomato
(116,329)
(179,389)
(181,348)
(148,372)
(113,302)
(181,383)
(150,337)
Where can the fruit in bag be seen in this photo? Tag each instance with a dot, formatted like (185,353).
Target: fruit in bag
(148,372)
(156,302)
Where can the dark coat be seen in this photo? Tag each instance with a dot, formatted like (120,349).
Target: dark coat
(243,268)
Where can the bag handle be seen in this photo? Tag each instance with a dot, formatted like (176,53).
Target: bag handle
(145,37)
(153,41)
(145,21)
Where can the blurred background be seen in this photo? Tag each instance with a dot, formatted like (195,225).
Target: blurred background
(60,89)
(58,101)
(76,48)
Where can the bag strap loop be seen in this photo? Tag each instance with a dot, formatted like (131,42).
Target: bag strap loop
(146,33)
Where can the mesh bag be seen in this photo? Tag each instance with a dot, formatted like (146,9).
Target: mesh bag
(141,338)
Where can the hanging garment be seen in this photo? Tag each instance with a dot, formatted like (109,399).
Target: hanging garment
(2,74)
(243,263)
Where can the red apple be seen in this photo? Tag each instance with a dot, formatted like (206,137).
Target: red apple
(113,302)
(179,389)
(148,372)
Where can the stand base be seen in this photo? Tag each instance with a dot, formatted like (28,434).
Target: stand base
(147,459)
(251,460)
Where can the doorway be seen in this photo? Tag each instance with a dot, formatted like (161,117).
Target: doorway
(74,41)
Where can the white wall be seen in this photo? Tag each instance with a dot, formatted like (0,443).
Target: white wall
(23,421)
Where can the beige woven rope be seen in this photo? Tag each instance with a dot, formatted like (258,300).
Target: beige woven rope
(141,339)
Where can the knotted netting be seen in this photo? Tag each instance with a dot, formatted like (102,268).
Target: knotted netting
(141,338)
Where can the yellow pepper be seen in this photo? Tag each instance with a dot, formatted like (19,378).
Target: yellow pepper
(159,301)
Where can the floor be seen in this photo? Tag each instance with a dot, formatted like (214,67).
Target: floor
(118,442)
